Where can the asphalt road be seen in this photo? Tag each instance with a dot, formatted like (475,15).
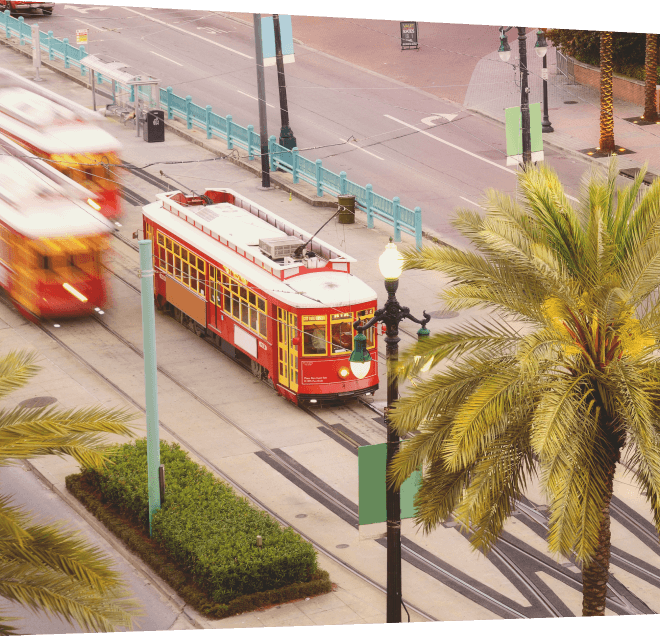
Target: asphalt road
(398,143)
(29,492)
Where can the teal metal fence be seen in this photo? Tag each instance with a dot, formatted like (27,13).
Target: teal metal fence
(375,206)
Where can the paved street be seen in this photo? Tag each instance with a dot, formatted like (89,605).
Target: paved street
(261,420)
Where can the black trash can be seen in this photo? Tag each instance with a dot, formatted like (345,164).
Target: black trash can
(153,128)
(346,208)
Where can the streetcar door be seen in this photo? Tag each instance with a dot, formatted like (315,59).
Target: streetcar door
(287,352)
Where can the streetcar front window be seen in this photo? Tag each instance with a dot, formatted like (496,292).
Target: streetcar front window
(314,336)
(342,332)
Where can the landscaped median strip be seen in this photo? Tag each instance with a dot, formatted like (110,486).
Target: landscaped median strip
(204,541)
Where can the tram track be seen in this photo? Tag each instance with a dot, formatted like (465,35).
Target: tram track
(338,505)
(323,494)
(616,600)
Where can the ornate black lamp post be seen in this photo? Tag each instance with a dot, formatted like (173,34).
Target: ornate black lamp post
(390,315)
(541,48)
(287,138)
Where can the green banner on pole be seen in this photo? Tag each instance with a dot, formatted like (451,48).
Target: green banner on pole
(513,132)
(371,486)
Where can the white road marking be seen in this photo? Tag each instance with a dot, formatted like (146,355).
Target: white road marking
(254,98)
(88,24)
(166,58)
(79,10)
(429,120)
(171,26)
(472,202)
(467,152)
(362,149)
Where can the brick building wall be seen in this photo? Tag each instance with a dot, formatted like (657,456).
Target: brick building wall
(630,90)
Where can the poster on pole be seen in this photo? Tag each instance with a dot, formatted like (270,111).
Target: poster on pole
(81,36)
(409,35)
(268,39)
(513,130)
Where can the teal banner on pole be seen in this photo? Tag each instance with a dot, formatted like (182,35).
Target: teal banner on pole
(371,486)
(513,131)
(268,39)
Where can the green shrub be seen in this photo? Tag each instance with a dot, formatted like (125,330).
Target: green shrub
(206,528)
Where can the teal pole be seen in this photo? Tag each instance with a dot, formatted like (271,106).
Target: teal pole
(150,377)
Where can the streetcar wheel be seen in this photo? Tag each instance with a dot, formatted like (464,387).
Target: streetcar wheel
(178,314)
(197,329)
(257,369)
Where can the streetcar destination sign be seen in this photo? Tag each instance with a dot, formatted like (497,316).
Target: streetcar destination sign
(409,35)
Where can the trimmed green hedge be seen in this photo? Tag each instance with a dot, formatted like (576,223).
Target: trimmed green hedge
(204,526)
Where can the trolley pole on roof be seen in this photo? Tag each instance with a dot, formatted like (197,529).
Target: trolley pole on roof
(261,93)
(150,377)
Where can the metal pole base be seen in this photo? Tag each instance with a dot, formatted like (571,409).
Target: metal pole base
(287,139)
(547,128)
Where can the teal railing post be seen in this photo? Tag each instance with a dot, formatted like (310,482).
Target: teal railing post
(418,227)
(169,103)
(272,140)
(319,185)
(21,19)
(50,45)
(65,42)
(133,93)
(396,213)
(7,31)
(250,141)
(294,165)
(209,132)
(188,112)
(150,377)
(369,204)
(83,53)
(230,144)
(342,182)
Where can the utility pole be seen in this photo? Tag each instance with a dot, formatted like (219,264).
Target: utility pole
(261,93)
(287,138)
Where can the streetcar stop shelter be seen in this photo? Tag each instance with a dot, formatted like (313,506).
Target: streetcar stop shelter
(133,92)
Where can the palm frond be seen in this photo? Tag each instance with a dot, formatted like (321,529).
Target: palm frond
(16,368)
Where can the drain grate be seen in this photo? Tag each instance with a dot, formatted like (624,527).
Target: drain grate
(38,402)
(570,101)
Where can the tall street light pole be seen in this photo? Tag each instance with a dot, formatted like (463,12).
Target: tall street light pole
(287,138)
(541,48)
(261,94)
(360,361)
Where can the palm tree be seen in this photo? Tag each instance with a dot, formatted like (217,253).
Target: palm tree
(557,383)
(42,566)
(606,143)
(651,79)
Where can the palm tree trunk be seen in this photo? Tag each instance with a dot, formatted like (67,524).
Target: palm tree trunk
(597,572)
(606,98)
(651,72)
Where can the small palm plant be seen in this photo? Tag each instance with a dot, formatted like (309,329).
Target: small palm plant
(42,566)
(560,382)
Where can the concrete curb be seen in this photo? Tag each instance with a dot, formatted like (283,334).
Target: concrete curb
(163,588)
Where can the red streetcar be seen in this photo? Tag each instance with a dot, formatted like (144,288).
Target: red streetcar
(63,134)
(262,290)
(52,239)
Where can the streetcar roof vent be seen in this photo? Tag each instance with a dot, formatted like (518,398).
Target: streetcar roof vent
(206,214)
(279,247)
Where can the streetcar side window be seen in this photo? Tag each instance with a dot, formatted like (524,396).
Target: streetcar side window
(183,264)
(244,305)
(364,316)
(314,336)
(342,333)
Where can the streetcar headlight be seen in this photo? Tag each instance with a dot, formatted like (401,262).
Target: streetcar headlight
(344,372)
(74,292)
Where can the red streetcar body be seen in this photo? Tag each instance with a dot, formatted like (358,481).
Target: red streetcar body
(228,268)
(61,133)
(52,239)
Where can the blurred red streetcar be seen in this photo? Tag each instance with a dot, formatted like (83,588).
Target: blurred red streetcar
(63,134)
(239,274)
(52,239)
